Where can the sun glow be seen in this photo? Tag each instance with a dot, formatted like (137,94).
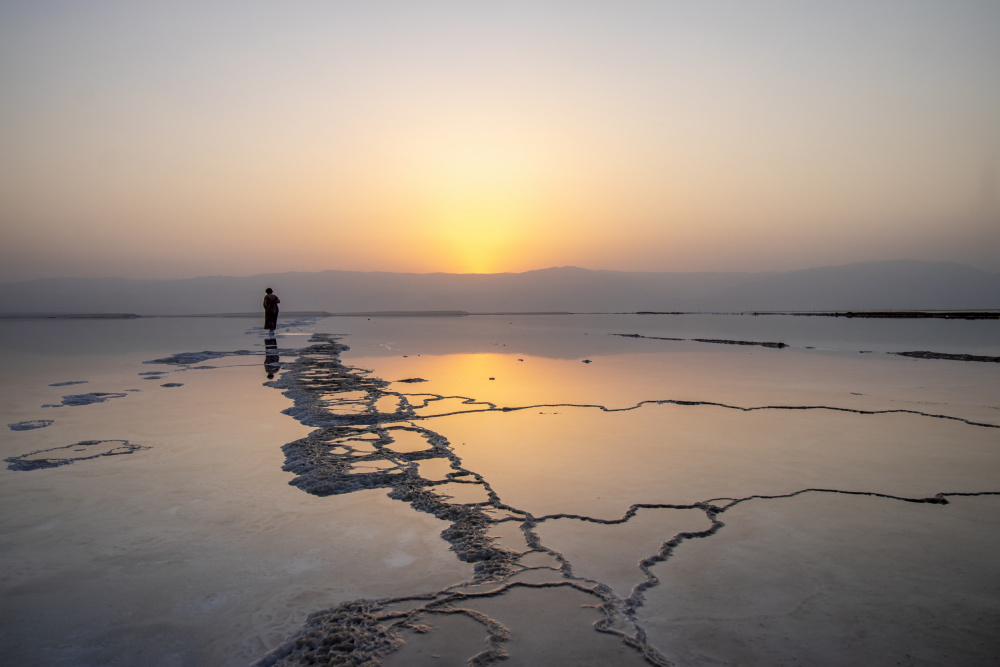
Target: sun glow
(476,230)
(474,244)
(477,209)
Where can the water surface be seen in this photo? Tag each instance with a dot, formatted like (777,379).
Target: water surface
(539,487)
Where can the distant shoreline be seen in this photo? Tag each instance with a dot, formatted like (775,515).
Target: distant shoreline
(991,314)
(905,314)
(135,316)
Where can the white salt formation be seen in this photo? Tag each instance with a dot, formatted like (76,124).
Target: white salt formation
(462,490)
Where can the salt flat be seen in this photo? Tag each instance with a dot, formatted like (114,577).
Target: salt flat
(540,488)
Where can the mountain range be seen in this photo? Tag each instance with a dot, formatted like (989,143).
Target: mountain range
(887,285)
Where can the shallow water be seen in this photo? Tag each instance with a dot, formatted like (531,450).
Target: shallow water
(700,503)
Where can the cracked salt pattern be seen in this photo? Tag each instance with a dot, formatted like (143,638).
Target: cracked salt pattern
(671,502)
(323,463)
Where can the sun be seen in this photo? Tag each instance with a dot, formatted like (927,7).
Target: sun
(477,212)
(477,236)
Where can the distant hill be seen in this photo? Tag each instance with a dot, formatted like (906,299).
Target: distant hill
(896,285)
(890,285)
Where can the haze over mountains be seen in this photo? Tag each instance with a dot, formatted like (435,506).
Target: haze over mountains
(890,285)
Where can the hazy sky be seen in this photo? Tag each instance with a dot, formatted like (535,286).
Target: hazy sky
(176,139)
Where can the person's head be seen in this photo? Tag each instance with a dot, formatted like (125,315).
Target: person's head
(269,290)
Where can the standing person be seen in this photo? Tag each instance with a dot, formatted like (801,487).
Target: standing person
(271,302)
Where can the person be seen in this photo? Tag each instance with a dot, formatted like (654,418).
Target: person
(271,302)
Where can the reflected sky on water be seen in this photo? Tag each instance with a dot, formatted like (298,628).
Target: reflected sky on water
(198,533)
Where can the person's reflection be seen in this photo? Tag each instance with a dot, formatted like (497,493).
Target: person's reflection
(272,361)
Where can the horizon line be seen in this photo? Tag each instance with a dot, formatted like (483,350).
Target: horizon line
(501,273)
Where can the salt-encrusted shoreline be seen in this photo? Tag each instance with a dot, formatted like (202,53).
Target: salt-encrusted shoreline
(353,436)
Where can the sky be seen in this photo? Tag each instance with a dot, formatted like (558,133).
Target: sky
(181,139)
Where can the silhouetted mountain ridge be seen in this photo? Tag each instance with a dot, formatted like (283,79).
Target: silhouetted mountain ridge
(911,285)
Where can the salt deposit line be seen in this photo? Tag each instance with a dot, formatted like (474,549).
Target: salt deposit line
(321,471)
(320,373)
